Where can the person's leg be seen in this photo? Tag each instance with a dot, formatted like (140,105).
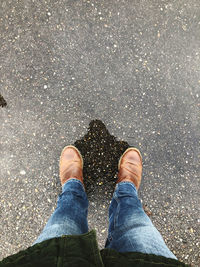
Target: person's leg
(130,229)
(70,215)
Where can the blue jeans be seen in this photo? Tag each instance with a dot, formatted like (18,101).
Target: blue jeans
(130,229)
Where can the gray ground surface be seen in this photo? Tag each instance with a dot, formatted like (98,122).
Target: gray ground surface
(135,65)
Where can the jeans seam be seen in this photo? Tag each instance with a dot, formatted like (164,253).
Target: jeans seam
(117,211)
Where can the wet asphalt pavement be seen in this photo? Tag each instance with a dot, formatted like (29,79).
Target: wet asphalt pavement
(135,66)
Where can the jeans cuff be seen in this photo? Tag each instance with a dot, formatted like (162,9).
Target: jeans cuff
(122,183)
(72,181)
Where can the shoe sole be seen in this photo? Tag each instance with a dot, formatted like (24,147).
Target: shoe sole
(128,149)
(76,150)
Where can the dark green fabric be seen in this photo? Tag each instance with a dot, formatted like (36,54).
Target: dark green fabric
(81,250)
(113,258)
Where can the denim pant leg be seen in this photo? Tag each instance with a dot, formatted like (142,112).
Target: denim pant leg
(130,229)
(70,215)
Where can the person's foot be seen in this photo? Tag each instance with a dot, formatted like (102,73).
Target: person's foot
(71,164)
(130,167)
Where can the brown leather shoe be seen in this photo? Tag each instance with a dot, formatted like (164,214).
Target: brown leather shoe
(130,167)
(71,164)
